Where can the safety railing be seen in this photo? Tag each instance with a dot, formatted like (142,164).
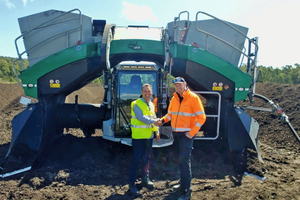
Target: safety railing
(185,26)
(177,19)
(217,115)
(47,39)
(250,41)
(252,56)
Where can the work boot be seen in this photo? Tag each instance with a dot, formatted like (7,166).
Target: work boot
(177,187)
(133,190)
(186,195)
(147,183)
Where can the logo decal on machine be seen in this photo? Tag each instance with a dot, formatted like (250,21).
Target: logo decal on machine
(135,46)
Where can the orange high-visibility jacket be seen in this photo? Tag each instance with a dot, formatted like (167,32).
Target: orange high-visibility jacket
(187,116)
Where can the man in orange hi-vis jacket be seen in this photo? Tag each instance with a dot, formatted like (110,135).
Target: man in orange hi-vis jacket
(187,115)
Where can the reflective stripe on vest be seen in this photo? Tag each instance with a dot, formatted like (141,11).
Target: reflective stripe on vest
(180,129)
(134,117)
(141,126)
(185,114)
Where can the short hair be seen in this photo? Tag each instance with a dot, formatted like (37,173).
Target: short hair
(147,85)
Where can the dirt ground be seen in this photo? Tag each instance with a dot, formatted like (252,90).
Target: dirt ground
(76,167)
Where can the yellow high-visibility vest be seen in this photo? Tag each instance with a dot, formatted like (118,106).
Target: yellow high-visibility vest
(139,129)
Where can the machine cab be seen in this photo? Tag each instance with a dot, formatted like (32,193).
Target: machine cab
(130,78)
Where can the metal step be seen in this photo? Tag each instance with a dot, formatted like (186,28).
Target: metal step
(162,143)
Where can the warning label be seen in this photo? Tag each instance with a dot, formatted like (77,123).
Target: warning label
(55,85)
(216,88)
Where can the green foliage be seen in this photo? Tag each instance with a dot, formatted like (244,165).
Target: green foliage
(98,80)
(7,72)
(286,74)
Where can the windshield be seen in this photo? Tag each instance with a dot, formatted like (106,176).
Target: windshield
(131,82)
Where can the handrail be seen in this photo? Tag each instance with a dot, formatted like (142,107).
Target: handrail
(26,50)
(15,70)
(251,41)
(241,61)
(217,116)
(186,25)
(178,18)
(255,73)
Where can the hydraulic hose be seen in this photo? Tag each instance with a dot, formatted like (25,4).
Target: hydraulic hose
(276,107)
(286,119)
(283,116)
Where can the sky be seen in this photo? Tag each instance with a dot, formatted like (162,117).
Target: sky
(274,22)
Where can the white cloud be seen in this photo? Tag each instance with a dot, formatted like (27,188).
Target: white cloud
(137,13)
(8,4)
(26,1)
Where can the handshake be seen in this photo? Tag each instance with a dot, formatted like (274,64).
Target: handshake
(159,122)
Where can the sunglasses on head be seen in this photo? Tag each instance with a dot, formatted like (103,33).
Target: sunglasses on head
(176,80)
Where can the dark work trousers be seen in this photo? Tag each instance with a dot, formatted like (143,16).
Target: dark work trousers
(185,146)
(141,151)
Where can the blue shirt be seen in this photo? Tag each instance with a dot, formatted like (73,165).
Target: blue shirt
(139,114)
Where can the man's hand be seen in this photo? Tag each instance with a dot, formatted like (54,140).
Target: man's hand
(157,138)
(187,134)
(158,122)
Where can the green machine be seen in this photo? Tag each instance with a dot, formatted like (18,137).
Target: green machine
(68,50)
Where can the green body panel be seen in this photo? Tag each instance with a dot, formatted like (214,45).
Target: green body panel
(217,64)
(69,55)
(147,46)
(185,52)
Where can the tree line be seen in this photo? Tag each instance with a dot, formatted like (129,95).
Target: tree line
(286,74)
(7,72)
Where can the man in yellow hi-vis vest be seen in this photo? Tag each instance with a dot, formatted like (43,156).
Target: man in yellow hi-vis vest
(143,121)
